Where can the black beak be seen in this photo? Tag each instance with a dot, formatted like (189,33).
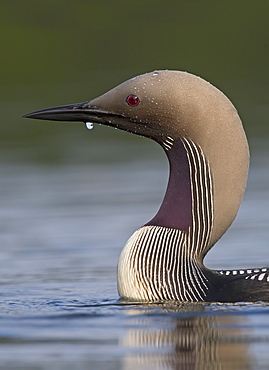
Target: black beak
(83,112)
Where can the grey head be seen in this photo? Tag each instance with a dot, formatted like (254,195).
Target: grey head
(170,106)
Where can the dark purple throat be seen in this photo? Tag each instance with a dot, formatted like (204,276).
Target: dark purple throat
(176,208)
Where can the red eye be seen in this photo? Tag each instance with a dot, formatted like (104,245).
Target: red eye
(132,100)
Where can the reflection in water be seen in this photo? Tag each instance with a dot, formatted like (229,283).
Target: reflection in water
(186,342)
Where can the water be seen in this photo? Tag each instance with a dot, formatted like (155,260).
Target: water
(62,229)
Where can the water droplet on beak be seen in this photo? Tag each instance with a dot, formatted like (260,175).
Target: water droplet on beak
(89,125)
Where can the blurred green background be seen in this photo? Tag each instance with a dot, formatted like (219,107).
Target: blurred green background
(60,52)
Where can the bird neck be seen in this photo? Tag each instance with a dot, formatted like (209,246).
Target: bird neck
(188,201)
(164,258)
(176,208)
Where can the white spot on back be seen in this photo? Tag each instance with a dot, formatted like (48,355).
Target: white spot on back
(261,276)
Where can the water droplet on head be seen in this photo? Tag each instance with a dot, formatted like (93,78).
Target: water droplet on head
(155,73)
(89,125)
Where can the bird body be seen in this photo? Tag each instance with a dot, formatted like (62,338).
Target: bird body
(204,140)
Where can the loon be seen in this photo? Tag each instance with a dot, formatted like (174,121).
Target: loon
(202,135)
